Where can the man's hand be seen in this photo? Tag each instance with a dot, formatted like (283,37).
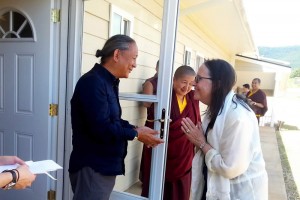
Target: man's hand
(147,136)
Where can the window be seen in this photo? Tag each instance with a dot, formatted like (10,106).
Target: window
(121,22)
(187,56)
(199,60)
(15,26)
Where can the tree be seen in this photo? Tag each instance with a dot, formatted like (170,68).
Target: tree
(295,73)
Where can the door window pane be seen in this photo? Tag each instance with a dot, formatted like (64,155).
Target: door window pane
(4,22)
(14,25)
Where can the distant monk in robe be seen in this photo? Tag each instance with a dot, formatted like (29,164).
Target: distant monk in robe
(180,151)
(257,99)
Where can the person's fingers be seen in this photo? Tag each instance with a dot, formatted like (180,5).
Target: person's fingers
(183,129)
(19,161)
(155,132)
(184,125)
(187,125)
(150,131)
(151,140)
(190,124)
(158,140)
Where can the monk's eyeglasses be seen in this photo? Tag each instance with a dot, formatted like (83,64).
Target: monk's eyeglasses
(198,78)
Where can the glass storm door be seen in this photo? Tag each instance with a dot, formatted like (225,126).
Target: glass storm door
(99,19)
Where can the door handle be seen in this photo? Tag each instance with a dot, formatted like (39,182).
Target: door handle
(162,121)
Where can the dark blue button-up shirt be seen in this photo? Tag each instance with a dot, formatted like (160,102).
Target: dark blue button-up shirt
(99,134)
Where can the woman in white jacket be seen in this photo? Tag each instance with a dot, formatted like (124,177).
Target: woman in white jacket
(228,137)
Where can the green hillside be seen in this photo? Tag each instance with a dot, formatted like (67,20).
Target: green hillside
(289,54)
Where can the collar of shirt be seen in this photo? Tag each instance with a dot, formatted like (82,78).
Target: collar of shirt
(107,75)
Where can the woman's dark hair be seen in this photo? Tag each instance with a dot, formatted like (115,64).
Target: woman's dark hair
(223,79)
(184,70)
(121,42)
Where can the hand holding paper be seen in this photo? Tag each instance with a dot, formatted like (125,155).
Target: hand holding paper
(39,167)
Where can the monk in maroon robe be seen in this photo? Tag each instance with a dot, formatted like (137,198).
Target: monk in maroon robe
(180,151)
(257,99)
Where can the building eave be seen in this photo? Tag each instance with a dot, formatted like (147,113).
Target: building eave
(223,21)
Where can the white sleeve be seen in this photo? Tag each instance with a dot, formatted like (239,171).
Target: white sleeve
(234,152)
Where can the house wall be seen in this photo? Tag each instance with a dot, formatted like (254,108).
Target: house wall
(267,79)
(273,77)
(147,33)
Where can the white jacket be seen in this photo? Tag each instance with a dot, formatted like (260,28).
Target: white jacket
(236,168)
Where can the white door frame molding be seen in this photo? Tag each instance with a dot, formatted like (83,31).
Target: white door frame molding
(59,96)
(75,17)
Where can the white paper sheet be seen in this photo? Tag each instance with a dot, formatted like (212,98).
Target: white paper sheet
(38,167)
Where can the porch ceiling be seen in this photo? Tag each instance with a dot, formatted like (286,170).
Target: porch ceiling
(223,21)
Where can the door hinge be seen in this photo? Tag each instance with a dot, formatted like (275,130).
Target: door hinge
(55,15)
(53,110)
(51,195)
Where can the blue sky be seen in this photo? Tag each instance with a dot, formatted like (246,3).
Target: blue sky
(274,22)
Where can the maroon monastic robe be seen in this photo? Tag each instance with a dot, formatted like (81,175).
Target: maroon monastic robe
(259,97)
(150,110)
(179,155)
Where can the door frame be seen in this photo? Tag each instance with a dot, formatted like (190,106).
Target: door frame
(60,95)
(167,53)
(74,60)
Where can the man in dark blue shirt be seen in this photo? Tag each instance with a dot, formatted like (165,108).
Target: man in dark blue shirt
(99,134)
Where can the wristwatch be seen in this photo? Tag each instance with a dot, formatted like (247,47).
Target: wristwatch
(13,182)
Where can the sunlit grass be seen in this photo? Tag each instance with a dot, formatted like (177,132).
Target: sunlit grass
(290,185)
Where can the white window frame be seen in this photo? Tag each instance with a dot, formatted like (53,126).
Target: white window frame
(19,38)
(187,56)
(125,17)
(201,60)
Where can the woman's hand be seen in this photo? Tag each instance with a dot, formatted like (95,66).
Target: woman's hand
(194,133)
(25,177)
